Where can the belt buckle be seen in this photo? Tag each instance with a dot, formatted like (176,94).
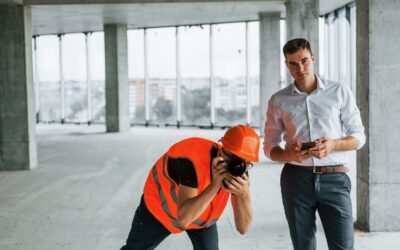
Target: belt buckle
(316,172)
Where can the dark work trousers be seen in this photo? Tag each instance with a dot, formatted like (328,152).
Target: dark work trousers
(305,192)
(147,233)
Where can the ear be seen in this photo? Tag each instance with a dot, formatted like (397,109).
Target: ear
(313,57)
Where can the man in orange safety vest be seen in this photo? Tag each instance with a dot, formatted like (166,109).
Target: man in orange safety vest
(189,187)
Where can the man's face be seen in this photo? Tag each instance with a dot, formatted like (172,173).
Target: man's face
(301,65)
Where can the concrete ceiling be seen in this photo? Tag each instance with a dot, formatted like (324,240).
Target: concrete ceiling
(69,16)
(74,18)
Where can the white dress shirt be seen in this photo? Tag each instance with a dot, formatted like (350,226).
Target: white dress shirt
(330,110)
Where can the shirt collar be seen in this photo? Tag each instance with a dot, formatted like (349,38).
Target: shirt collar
(320,85)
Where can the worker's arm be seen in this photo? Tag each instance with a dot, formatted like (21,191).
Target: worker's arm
(242,211)
(191,204)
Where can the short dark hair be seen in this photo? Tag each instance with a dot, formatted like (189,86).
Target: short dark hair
(294,45)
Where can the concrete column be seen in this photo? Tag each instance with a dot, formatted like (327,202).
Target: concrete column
(378,168)
(17,107)
(116,60)
(270,63)
(302,22)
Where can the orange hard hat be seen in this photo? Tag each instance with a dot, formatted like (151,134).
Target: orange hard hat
(243,142)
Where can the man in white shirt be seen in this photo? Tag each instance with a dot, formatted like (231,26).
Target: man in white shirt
(314,178)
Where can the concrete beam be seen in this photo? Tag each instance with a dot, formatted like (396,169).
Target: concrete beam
(47,2)
(17,109)
(13,2)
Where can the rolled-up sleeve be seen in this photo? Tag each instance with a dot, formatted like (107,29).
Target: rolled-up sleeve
(351,118)
(273,128)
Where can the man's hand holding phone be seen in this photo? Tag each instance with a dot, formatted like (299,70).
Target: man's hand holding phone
(308,145)
(323,147)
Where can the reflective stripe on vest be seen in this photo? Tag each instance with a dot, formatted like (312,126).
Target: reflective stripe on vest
(202,223)
(163,200)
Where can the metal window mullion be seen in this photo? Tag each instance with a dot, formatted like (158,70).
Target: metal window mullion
(353,48)
(60,49)
(337,42)
(248,86)
(178,79)
(146,79)
(334,46)
(88,79)
(326,48)
(212,106)
(36,79)
(341,48)
(285,74)
(330,48)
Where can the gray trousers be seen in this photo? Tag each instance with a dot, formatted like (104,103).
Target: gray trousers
(147,233)
(305,192)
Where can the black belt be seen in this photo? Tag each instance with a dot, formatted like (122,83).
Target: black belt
(321,169)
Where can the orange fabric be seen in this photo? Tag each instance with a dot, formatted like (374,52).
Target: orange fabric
(161,192)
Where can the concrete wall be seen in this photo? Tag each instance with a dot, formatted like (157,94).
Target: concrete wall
(17,124)
(378,92)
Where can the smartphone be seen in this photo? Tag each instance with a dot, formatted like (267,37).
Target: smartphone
(307,145)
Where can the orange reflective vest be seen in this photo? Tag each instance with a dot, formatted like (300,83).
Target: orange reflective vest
(161,191)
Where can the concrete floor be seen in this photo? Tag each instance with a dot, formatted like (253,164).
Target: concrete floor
(88,183)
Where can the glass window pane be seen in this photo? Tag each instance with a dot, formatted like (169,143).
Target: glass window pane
(35,80)
(333,48)
(48,58)
(344,55)
(322,51)
(136,76)
(50,105)
(254,72)
(162,75)
(74,67)
(96,60)
(230,74)
(195,75)
(48,76)
(97,76)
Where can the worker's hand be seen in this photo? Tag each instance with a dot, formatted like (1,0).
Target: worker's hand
(294,153)
(237,185)
(218,171)
(324,147)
